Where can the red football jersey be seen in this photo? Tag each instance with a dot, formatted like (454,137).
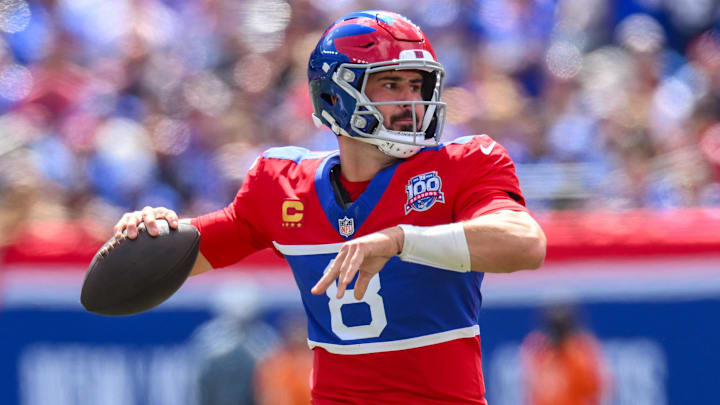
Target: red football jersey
(414,338)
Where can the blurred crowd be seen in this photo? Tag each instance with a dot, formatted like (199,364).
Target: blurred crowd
(108,106)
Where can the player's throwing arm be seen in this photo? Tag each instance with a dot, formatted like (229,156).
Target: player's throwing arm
(501,242)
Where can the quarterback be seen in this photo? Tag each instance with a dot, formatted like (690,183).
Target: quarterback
(389,237)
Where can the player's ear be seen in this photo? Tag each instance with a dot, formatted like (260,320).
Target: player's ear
(333,100)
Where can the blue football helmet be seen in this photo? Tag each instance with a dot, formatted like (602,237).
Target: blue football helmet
(358,45)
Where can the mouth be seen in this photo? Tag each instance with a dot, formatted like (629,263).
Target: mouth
(402,122)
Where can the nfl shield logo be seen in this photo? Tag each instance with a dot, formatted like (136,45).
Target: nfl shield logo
(347,226)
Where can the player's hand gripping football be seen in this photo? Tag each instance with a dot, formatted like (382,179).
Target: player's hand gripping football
(364,256)
(148,215)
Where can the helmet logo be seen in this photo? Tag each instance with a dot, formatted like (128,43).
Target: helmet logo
(416,54)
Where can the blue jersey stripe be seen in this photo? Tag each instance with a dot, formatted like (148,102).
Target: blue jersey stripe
(360,209)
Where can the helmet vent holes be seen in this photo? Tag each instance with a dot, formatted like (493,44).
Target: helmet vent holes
(368,45)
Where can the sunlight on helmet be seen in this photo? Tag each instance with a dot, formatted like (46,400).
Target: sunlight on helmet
(16,82)
(207,93)
(641,33)
(14,15)
(169,136)
(253,73)
(564,60)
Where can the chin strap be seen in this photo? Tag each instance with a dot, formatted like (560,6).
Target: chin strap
(390,148)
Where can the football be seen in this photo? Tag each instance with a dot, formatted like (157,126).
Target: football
(129,276)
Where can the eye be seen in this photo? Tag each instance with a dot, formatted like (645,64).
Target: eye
(389,85)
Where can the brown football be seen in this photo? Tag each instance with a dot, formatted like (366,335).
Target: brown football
(129,276)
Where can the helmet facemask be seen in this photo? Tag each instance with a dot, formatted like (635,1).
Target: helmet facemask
(368,122)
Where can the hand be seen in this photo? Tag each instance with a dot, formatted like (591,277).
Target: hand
(366,256)
(148,215)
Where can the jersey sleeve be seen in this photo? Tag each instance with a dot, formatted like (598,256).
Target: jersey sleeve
(490,183)
(230,234)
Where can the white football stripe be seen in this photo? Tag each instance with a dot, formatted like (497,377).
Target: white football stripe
(302,250)
(403,344)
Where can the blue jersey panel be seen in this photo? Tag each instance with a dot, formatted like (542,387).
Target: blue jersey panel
(404,301)
(360,209)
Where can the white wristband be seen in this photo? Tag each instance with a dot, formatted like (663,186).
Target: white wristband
(441,246)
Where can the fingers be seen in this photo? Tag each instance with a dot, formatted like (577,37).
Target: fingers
(128,222)
(343,269)
(171,217)
(148,217)
(131,226)
(349,268)
(120,225)
(131,220)
(329,277)
(361,285)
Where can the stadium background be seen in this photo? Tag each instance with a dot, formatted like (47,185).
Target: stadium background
(611,110)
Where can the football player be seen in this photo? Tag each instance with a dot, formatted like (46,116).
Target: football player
(389,237)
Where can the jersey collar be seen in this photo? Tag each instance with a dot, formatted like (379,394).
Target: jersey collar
(358,210)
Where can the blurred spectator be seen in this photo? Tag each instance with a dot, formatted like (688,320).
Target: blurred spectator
(110,106)
(562,362)
(228,347)
(226,379)
(283,376)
